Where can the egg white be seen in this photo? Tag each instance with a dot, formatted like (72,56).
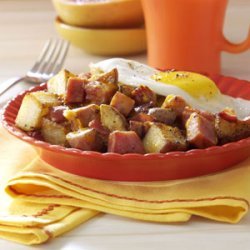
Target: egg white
(136,74)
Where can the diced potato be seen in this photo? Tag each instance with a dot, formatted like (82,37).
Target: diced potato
(84,114)
(46,99)
(126,89)
(123,142)
(85,139)
(122,103)
(110,77)
(34,106)
(228,131)
(99,92)
(175,103)
(111,118)
(162,138)
(30,114)
(58,83)
(54,133)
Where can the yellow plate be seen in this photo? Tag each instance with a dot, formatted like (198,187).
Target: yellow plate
(100,14)
(105,42)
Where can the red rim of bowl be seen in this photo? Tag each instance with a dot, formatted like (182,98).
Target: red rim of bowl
(11,109)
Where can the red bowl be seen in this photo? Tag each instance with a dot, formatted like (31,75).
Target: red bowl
(137,167)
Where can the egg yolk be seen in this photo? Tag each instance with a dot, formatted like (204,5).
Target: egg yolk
(196,85)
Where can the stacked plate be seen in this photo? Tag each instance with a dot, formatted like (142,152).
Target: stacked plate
(102,27)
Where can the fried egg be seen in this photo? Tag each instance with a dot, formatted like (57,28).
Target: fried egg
(199,91)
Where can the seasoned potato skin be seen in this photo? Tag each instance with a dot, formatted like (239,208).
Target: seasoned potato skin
(110,77)
(54,133)
(162,138)
(112,119)
(34,107)
(58,84)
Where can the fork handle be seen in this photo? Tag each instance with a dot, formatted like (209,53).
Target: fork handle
(9,83)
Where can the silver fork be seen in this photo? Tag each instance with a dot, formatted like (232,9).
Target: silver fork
(47,65)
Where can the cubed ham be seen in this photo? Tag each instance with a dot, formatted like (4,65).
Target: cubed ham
(85,139)
(140,128)
(56,114)
(102,131)
(100,92)
(123,142)
(75,90)
(144,94)
(188,111)
(142,117)
(163,115)
(36,134)
(175,103)
(122,103)
(200,131)
(228,115)
(137,127)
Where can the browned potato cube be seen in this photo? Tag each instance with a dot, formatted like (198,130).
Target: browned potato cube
(34,106)
(84,114)
(58,83)
(144,94)
(85,139)
(110,77)
(175,103)
(162,138)
(30,114)
(46,99)
(123,142)
(54,133)
(99,92)
(122,103)
(111,118)
(200,131)
(163,115)
(228,131)
(126,89)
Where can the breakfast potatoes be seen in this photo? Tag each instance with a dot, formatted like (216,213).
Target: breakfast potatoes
(95,112)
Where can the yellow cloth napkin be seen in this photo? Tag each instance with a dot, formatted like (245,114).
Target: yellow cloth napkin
(48,202)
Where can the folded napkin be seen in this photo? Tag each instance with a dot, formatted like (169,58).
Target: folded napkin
(47,202)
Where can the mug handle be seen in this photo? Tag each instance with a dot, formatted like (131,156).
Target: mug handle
(236,48)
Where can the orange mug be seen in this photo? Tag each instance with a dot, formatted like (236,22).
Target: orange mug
(187,34)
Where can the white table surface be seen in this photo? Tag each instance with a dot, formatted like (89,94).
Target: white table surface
(24,26)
